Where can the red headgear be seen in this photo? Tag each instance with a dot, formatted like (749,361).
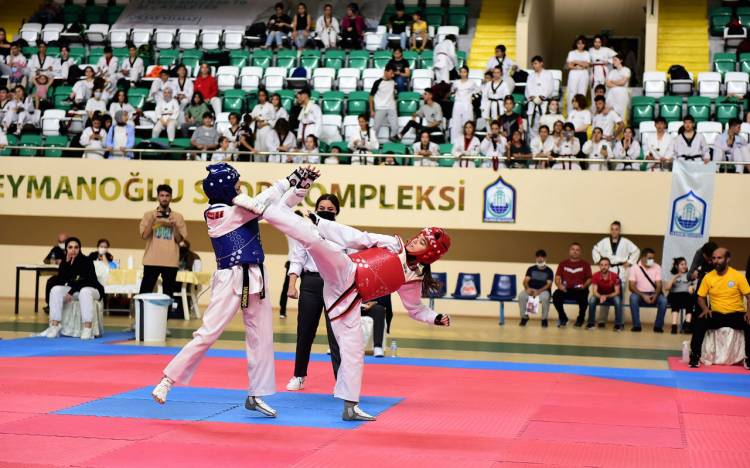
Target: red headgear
(438,243)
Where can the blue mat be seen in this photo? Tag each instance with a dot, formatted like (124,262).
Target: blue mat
(223,405)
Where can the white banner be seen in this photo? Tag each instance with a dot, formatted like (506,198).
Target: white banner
(690,205)
(200,14)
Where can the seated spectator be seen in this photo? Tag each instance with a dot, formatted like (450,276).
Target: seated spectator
(96,103)
(628,148)
(21,111)
(194,113)
(279,25)
(333,159)
(83,88)
(402,73)
(644,282)
(167,113)
(246,139)
(222,153)
(5,103)
(120,137)
(494,147)
(597,149)
(208,87)
(16,67)
(75,275)
(120,103)
(132,68)
(102,253)
(156,92)
(188,258)
(397,24)
(41,63)
(618,86)
(501,60)
(327,28)
(731,146)
(301,26)
(352,28)
(580,117)
(263,115)
(445,58)
(572,280)
(377,310)
(606,289)
(566,147)
(426,149)
(63,64)
(92,138)
(510,121)
(467,147)
(205,137)
(363,142)
(540,87)
(233,133)
(278,110)
(383,103)
(418,39)
(310,146)
(552,115)
(518,151)
(607,119)
(725,288)
(281,140)
(106,67)
(690,145)
(537,284)
(183,87)
(659,147)
(542,146)
(4,46)
(430,114)
(680,288)
(310,116)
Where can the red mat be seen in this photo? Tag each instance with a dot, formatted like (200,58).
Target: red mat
(714,422)
(715,459)
(617,416)
(89,426)
(600,434)
(53,450)
(675,363)
(30,403)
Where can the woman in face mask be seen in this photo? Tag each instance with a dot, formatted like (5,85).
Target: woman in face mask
(120,137)
(310,295)
(102,252)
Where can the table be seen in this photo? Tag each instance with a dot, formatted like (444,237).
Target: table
(39,269)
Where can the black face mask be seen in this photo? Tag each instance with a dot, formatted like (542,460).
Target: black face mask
(329,215)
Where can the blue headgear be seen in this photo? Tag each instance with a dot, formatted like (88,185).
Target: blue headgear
(220,182)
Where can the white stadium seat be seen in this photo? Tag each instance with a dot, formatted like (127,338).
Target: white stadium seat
(97,34)
(210,39)
(443,31)
(226,76)
(233,39)
(348,80)
(350,126)
(164,38)
(274,78)
(331,130)
(745,130)
(477,76)
(654,84)
(142,36)
(421,79)
(148,121)
(51,31)
(322,79)
(709,84)
(674,127)
(118,37)
(369,76)
(710,130)
(732,41)
(187,38)
(411,136)
(30,32)
(250,78)
(736,83)
(645,129)
(51,121)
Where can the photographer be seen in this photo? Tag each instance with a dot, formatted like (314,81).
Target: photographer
(163,230)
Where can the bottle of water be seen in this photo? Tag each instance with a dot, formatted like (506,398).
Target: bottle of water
(130,262)
(394,348)
(685,351)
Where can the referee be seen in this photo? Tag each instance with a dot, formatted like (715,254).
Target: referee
(311,304)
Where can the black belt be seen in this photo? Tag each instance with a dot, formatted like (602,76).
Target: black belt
(691,158)
(246,284)
(314,274)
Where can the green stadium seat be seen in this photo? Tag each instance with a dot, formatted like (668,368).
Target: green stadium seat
(357,102)
(743,13)
(461,56)
(727,108)
(725,62)
(53,52)
(380,58)
(288,96)
(192,58)
(425,59)
(53,142)
(182,143)
(310,59)
(434,16)
(745,63)
(395,148)
(95,53)
(412,57)
(120,52)
(519,106)
(699,107)
(114,12)
(670,107)
(12,141)
(334,59)
(719,17)
(286,58)
(168,57)
(359,59)
(643,109)
(72,13)
(137,97)
(344,148)
(29,51)
(238,58)
(94,14)
(61,94)
(459,16)
(390,10)
(315,96)
(408,103)
(233,101)
(251,100)
(78,54)
(446,149)
(29,140)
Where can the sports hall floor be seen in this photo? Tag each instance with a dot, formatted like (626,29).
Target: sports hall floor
(474,395)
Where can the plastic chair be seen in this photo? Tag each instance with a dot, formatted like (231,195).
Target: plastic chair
(29,140)
(381,58)
(357,103)
(261,58)
(310,59)
(408,103)
(332,103)
(503,290)
(699,107)
(233,100)
(137,97)
(348,79)
(239,58)
(286,58)
(468,286)
(643,109)
(670,107)
(334,59)
(358,59)
(709,84)
(725,62)
(736,83)
(331,128)
(654,84)
(53,142)
(322,79)
(727,109)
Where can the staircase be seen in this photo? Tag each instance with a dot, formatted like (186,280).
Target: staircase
(496,25)
(683,35)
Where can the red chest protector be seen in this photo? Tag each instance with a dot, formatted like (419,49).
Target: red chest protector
(379,272)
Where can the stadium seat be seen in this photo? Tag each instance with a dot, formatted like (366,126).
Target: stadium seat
(434,15)
(113,13)
(31,32)
(369,77)
(736,83)
(51,121)
(51,31)
(94,14)
(233,100)
(421,79)
(348,79)
(137,97)
(310,59)
(164,38)
(743,14)
(719,18)
(673,128)
(643,109)
(274,78)
(332,103)
(461,58)
(288,97)
(426,59)
(381,58)
(29,140)
(745,130)
(477,76)
(250,78)
(358,102)
(519,106)
(442,279)
(187,38)
(297,82)
(733,39)
(55,141)
(709,84)
(191,58)
(670,108)
(645,129)
(141,36)
(408,103)
(251,99)
(350,126)
(226,76)
(233,39)
(239,58)
(682,87)
(286,58)
(117,37)
(710,130)
(724,62)
(120,52)
(412,57)
(168,57)
(334,59)
(396,149)
(374,39)
(458,16)
(468,286)
(745,63)
(210,38)
(322,79)
(503,288)
(331,130)
(726,109)
(699,108)
(557,77)
(72,13)
(12,141)
(358,59)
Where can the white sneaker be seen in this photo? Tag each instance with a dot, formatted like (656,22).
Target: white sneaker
(378,352)
(53,331)
(295,383)
(45,332)
(355,413)
(159,393)
(87,334)
(256,404)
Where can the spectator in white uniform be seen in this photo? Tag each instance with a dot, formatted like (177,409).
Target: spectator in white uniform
(445,58)
(580,117)
(601,62)
(540,86)
(41,63)
(263,116)
(552,115)
(731,145)
(466,147)
(62,64)
(310,116)
(363,142)
(659,147)
(463,90)
(628,148)
(120,103)
(106,68)
(578,63)
(493,94)
(597,149)
(278,110)
(426,149)
(689,144)
(621,251)
(565,148)
(494,145)
(131,69)
(21,111)
(83,88)
(156,93)
(327,28)
(93,138)
(96,103)
(618,87)
(501,60)
(282,140)
(542,146)
(607,119)
(183,87)
(167,113)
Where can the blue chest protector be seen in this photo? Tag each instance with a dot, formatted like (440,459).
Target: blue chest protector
(239,247)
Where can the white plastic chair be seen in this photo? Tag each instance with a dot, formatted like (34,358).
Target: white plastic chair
(187,38)
(645,129)
(350,126)
(148,121)
(210,39)
(331,130)
(30,32)
(557,76)
(51,31)
(51,121)
(709,84)
(250,78)
(233,39)
(477,76)
(732,41)
(164,38)
(226,77)
(274,78)
(369,76)
(348,80)
(745,130)
(142,36)
(674,127)
(443,31)
(654,84)
(421,79)
(710,131)
(736,83)
(322,79)
(411,136)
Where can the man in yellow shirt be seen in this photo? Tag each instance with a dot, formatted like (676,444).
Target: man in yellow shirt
(725,288)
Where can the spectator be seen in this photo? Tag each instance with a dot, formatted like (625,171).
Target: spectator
(540,87)
(445,58)
(41,63)
(493,93)
(601,61)
(537,284)
(96,103)
(278,27)
(132,68)
(724,287)
(282,140)
(383,103)
(430,114)
(401,73)
(580,117)
(578,63)
(418,40)
(702,262)
(156,92)
(363,142)
(566,148)
(208,87)
(463,90)
(378,310)
(542,146)
(106,67)
(501,60)
(621,252)
(21,111)
(167,113)
(6,103)
(263,115)
(572,280)
(681,289)
(76,275)
(352,28)
(552,115)
(120,103)
(606,289)
(194,113)
(183,87)
(301,26)
(328,28)
(41,84)
(494,147)
(4,45)
(644,282)
(397,25)
(310,116)
(689,144)
(310,146)
(730,146)
(518,151)
(16,67)
(162,229)
(510,121)
(659,147)
(599,90)
(233,133)
(278,110)
(102,253)
(247,140)
(222,152)
(466,147)
(206,137)
(54,257)
(627,148)
(597,149)
(3,139)
(426,150)
(120,137)
(618,85)
(188,258)
(92,138)
(63,64)
(607,119)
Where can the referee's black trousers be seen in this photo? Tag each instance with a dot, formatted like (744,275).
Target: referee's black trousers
(311,306)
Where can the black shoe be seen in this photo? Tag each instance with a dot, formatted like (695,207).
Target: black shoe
(673,330)
(619,328)
(590,326)
(524,321)
(579,323)
(746,363)
(695,361)
(46,309)
(635,329)
(563,323)
(601,325)
(658,330)
(282,315)
(545,323)
(687,328)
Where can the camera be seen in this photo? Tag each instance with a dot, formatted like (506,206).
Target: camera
(163,214)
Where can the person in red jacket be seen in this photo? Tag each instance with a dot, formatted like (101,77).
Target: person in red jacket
(352,28)
(208,87)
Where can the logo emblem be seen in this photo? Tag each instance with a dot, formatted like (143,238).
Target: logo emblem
(499,202)
(731,284)
(688,216)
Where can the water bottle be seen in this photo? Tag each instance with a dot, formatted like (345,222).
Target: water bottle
(130,262)
(685,351)
(394,348)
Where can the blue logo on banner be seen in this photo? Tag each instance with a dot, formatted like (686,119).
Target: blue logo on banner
(499,202)
(688,216)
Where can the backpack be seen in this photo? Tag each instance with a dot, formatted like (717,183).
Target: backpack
(299,72)
(678,72)
(520,76)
